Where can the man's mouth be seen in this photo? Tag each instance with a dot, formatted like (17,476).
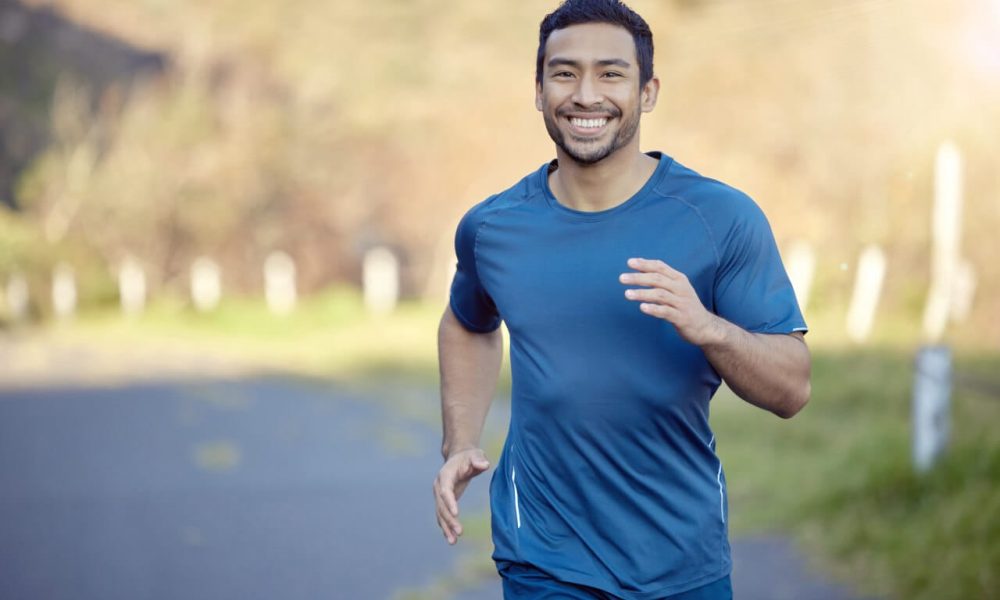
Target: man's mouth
(588,123)
(587,126)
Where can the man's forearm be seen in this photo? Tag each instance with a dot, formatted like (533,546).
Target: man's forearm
(470,366)
(767,370)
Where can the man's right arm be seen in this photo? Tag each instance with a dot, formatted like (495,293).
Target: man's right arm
(470,366)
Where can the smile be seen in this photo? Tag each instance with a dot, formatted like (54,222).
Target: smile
(591,124)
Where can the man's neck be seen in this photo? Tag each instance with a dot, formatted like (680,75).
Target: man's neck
(601,185)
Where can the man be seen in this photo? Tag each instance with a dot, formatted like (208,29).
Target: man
(630,284)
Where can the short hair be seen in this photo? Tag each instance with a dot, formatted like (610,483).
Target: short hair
(614,12)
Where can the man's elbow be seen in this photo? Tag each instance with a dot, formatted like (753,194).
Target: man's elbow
(796,401)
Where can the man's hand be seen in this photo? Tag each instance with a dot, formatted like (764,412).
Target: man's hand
(668,295)
(767,370)
(451,481)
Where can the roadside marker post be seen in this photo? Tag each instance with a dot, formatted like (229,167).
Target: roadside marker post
(932,382)
(380,280)
(931,405)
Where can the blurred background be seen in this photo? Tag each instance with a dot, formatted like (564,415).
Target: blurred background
(226,238)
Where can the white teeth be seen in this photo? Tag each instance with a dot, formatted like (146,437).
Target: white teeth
(588,123)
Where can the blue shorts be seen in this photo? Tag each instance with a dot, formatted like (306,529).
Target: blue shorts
(521,581)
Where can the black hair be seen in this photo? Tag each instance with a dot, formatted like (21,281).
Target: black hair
(614,12)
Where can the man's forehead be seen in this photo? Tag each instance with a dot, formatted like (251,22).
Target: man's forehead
(590,42)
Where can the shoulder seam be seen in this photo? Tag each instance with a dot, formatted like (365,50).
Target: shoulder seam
(704,223)
(485,221)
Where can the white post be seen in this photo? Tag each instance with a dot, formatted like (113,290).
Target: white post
(206,286)
(931,397)
(801,266)
(17,297)
(950,295)
(867,289)
(64,291)
(131,287)
(279,283)
(380,280)
(963,292)
(946,223)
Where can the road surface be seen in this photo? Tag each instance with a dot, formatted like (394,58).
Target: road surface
(266,487)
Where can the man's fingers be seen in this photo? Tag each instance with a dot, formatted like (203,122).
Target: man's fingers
(659,310)
(452,526)
(448,523)
(449,485)
(646,265)
(447,494)
(657,280)
(656,295)
(445,530)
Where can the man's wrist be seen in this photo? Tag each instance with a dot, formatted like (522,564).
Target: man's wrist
(716,332)
(451,450)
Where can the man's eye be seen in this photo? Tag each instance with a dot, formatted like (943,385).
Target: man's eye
(562,74)
(613,74)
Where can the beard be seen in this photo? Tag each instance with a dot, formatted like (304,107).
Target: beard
(587,151)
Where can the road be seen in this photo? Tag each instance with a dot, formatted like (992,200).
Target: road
(261,487)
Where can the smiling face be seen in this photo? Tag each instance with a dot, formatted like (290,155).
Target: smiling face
(589,95)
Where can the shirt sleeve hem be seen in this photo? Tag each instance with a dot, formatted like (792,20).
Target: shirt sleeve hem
(465,322)
(780,329)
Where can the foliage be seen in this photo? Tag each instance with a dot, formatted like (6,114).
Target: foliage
(321,128)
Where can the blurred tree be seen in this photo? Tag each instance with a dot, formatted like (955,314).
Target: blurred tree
(320,128)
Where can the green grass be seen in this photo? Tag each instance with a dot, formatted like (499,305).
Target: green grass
(837,477)
(330,334)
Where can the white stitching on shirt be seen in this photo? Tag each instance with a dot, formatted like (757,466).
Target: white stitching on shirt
(718,478)
(517,509)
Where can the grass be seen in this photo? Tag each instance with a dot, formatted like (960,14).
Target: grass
(330,334)
(837,477)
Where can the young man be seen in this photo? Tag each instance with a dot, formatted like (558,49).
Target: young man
(630,285)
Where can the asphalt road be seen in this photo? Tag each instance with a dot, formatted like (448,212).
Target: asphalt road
(259,488)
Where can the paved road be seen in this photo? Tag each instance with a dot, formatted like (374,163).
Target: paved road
(265,488)
(260,488)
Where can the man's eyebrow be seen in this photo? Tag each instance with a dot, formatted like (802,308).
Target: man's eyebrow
(613,62)
(604,62)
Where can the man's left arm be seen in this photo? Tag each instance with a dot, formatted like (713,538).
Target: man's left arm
(767,370)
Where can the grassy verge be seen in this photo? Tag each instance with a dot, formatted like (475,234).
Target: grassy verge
(837,476)
(328,335)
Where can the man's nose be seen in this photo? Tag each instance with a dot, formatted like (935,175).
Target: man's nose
(587,92)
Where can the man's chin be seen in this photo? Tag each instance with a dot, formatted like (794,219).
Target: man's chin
(587,156)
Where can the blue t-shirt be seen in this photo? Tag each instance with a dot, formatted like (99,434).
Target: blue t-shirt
(609,477)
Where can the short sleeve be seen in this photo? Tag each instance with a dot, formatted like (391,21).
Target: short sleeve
(752,289)
(470,302)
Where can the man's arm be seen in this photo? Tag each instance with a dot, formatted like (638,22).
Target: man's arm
(767,370)
(470,366)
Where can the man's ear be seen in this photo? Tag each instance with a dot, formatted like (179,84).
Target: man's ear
(538,96)
(649,93)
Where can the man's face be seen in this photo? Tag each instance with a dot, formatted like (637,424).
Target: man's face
(589,96)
